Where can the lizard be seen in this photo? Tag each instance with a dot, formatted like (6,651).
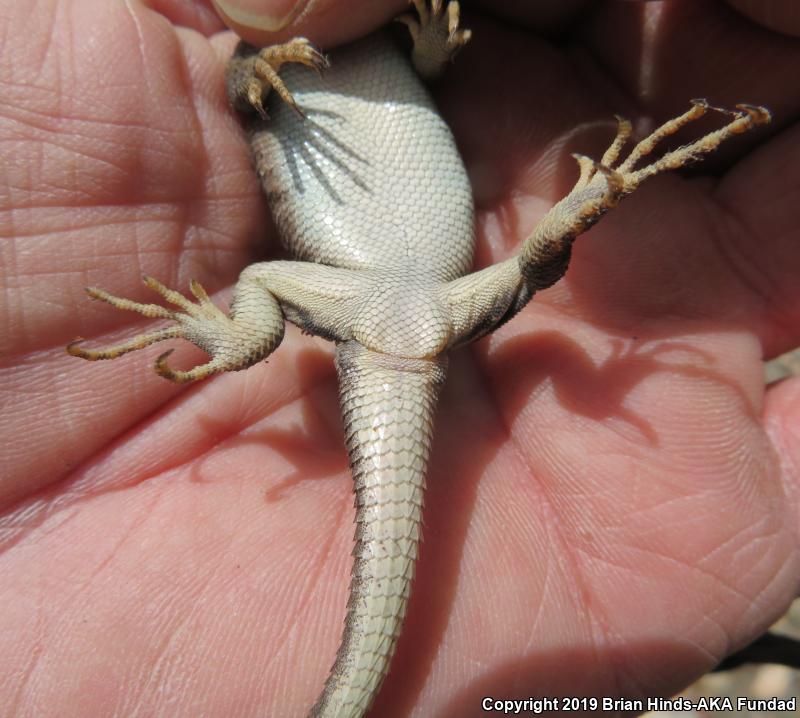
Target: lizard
(370,196)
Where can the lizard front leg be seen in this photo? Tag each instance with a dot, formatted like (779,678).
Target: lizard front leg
(252,72)
(436,35)
(482,301)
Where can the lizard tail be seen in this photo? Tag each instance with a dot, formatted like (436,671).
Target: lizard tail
(387,405)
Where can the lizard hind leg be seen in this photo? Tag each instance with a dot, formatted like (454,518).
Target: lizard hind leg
(251,73)
(480,302)
(744,118)
(436,33)
(545,254)
(234,342)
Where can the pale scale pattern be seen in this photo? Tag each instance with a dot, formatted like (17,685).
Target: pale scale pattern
(326,177)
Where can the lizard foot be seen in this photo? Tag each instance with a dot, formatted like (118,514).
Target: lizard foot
(501,290)
(436,34)
(231,345)
(601,185)
(628,178)
(252,73)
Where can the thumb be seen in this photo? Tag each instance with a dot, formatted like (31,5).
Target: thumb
(326,23)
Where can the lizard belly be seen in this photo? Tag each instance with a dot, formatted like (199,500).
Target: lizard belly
(372,176)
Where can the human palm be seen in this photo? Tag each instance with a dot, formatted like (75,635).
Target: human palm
(613,496)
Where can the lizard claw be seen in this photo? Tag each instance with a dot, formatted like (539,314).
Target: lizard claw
(436,33)
(253,73)
(182,377)
(623,178)
(231,346)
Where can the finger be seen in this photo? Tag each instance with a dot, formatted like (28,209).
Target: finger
(759,237)
(197,15)
(674,51)
(326,23)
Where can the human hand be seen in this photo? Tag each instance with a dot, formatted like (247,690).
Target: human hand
(606,514)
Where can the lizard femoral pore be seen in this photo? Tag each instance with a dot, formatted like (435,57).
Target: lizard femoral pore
(369,194)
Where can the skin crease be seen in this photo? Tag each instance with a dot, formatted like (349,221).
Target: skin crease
(613,495)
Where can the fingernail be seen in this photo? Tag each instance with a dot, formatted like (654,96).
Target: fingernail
(262,15)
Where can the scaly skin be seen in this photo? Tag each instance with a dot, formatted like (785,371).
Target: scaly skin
(387,408)
(370,196)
